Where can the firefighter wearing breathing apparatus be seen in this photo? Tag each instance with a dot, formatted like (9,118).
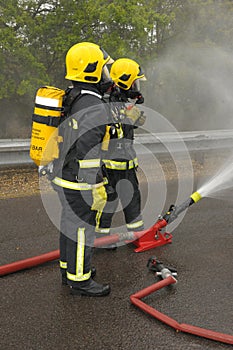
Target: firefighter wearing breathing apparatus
(119,155)
(80,182)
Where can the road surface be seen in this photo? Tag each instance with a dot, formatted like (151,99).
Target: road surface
(38,313)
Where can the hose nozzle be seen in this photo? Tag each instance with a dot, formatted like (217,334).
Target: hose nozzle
(196,197)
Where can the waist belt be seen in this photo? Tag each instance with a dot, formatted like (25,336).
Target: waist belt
(78,186)
(116,165)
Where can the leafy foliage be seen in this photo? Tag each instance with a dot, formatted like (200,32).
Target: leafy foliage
(36,34)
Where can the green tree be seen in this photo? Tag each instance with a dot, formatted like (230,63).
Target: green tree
(36,34)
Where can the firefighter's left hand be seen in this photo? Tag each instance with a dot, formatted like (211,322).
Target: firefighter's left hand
(136,116)
(99,198)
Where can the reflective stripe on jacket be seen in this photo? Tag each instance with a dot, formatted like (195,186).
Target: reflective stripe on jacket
(78,186)
(117,165)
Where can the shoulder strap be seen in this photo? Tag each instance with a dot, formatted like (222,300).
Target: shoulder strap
(73,94)
(89,92)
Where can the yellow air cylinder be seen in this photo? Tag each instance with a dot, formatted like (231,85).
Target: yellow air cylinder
(45,140)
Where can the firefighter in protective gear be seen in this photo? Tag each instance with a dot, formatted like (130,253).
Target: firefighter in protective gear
(79,180)
(119,156)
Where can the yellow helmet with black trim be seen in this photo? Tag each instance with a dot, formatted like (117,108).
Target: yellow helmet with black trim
(125,71)
(85,62)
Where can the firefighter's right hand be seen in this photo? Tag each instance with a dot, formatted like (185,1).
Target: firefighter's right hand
(99,198)
(136,116)
(133,113)
(141,120)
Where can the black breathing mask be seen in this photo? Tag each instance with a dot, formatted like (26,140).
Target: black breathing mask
(105,85)
(119,95)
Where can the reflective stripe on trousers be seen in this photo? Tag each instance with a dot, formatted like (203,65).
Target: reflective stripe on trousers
(135,224)
(98,220)
(63,264)
(79,275)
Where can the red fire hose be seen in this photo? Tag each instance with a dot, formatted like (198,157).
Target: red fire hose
(30,262)
(144,240)
(182,327)
(43,258)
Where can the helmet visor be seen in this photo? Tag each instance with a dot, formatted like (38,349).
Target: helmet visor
(141,74)
(136,85)
(107,56)
(105,74)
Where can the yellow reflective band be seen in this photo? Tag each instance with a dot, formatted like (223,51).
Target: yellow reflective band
(80,276)
(102,230)
(120,133)
(115,165)
(105,181)
(97,227)
(74,124)
(75,278)
(77,186)
(135,162)
(80,252)
(135,224)
(106,139)
(111,164)
(72,185)
(97,219)
(89,163)
(63,264)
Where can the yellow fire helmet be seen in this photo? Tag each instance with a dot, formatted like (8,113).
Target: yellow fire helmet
(125,71)
(85,62)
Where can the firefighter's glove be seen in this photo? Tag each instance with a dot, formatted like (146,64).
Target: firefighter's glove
(141,120)
(136,116)
(99,198)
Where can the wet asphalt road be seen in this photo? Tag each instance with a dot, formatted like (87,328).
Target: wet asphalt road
(38,313)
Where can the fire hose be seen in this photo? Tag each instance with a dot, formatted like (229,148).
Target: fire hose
(55,254)
(144,240)
(167,278)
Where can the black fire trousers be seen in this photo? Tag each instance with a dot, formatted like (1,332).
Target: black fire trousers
(77,234)
(123,187)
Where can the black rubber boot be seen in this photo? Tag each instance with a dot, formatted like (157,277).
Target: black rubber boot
(64,278)
(90,288)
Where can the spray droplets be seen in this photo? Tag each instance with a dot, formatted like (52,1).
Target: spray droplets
(221,181)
